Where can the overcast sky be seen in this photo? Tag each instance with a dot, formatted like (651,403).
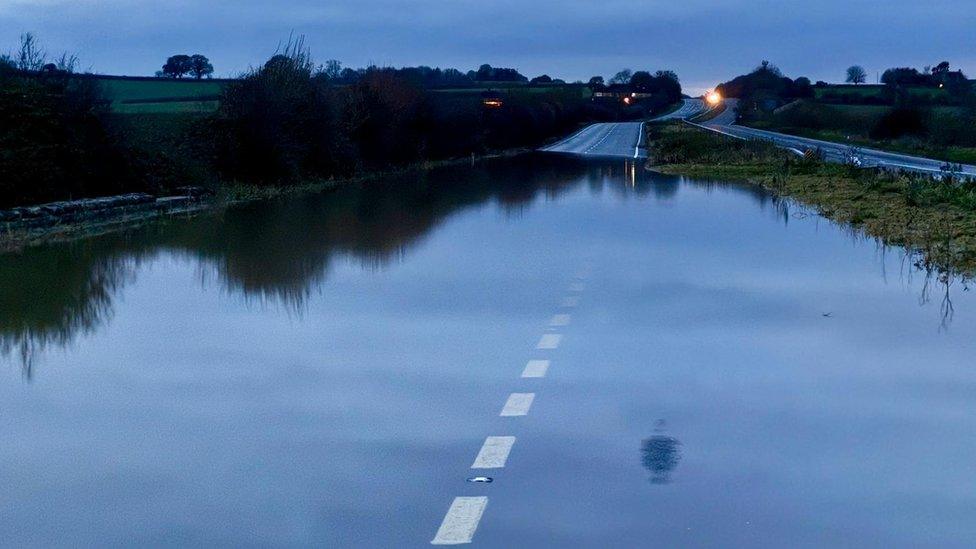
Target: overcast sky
(704,41)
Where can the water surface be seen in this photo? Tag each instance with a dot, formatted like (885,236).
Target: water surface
(322,370)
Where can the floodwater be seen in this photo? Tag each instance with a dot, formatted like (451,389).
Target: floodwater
(733,371)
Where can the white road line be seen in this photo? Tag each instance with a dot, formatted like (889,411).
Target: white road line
(612,129)
(570,301)
(577,287)
(560,320)
(549,341)
(640,134)
(461,521)
(518,404)
(536,368)
(494,453)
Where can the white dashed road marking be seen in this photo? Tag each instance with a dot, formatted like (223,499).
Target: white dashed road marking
(461,521)
(536,368)
(549,341)
(560,320)
(464,515)
(494,453)
(518,404)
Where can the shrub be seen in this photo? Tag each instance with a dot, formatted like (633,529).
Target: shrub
(279,123)
(900,121)
(54,144)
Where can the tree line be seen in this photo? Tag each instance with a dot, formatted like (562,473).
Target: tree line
(288,120)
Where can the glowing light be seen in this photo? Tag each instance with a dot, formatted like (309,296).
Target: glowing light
(493,103)
(713,98)
(627,100)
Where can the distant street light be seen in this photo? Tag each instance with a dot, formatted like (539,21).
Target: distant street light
(713,98)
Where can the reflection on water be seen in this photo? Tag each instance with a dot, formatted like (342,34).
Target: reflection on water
(660,454)
(279,252)
(274,252)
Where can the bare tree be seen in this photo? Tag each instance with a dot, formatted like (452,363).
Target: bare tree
(66,63)
(30,57)
(856,75)
(332,69)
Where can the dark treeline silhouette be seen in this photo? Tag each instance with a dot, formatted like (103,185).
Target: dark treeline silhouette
(54,138)
(423,76)
(939,75)
(765,88)
(286,121)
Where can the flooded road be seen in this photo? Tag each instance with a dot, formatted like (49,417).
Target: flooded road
(632,359)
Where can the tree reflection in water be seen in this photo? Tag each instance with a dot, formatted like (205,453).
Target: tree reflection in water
(274,252)
(279,252)
(660,454)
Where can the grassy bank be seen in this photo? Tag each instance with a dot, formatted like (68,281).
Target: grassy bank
(935,220)
(940,132)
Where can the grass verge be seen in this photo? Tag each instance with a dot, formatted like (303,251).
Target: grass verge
(934,220)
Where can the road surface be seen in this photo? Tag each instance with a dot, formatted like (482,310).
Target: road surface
(688,109)
(833,152)
(618,139)
(611,140)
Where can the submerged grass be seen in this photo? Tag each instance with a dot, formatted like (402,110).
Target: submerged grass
(934,219)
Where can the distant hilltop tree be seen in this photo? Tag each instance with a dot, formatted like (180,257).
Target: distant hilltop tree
(487,73)
(596,81)
(856,75)
(178,66)
(544,79)
(200,66)
(622,77)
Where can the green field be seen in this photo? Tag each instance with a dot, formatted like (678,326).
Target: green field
(849,91)
(843,93)
(161,95)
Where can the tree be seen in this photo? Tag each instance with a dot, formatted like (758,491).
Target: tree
(856,75)
(200,66)
(596,81)
(332,69)
(767,68)
(940,69)
(544,79)
(642,81)
(7,64)
(903,76)
(622,77)
(30,58)
(487,73)
(177,66)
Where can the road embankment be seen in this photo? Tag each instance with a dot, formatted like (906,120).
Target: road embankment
(934,219)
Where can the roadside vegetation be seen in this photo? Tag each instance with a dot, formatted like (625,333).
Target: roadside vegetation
(287,122)
(936,218)
(929,112)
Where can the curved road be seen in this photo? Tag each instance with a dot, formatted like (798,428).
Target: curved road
(833,152)
(618,139)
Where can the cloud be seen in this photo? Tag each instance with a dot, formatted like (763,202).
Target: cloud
(705,41)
